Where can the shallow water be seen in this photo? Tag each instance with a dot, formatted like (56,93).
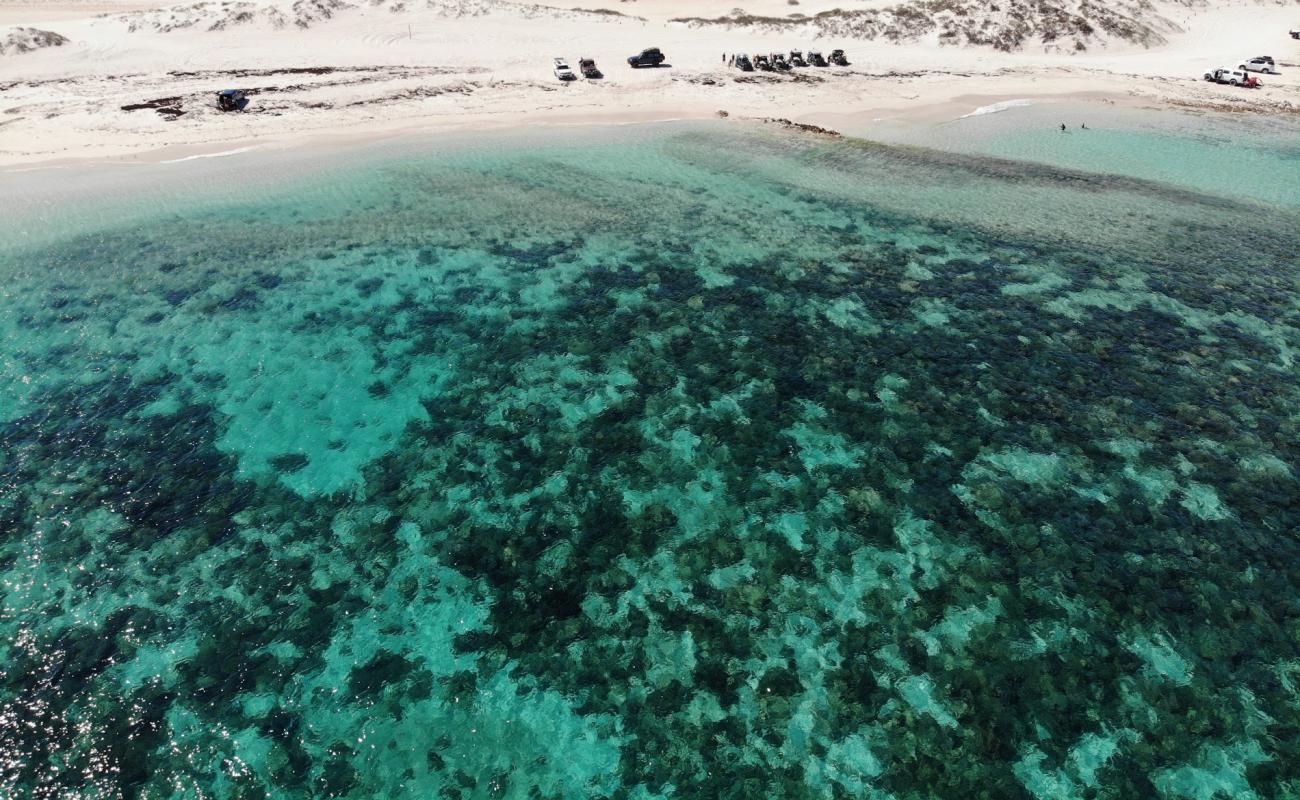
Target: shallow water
(1249,157)
(679,461)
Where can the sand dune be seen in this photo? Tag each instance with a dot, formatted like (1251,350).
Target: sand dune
(25,40)
(218,15)
(136,82)
(1063,26)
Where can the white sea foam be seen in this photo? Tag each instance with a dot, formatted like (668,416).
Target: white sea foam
(997,108)
(220,154)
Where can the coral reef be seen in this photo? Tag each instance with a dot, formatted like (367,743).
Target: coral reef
(764,470)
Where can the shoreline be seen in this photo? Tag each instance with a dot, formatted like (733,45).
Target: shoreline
(170,180)
(856,123)
(140,85)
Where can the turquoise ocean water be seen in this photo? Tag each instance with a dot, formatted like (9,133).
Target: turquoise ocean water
(673,461)
(1248,157)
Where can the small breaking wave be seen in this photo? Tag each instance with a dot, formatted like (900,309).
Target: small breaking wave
(221,154)
(997,108)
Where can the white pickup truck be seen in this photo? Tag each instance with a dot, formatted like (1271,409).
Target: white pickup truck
(1232,76)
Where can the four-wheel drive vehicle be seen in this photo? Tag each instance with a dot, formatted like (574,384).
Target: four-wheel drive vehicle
(1260,64)
(588,68)
(839,59)
(743,62)
(779,62)
(231,99)
(1295,34)
(562,70)
(815,58)
(1233,77)
(762,63)
(649,57)
(796,59)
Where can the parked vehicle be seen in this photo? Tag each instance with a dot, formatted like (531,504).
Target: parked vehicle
(743,62)
(588,68)
(762,63)
(649,57)
(1233,77)
(562,70)
(779,62)
(231,100)
(839,59)
(1295,34)
(796,59)
(816,59)
(1260,64)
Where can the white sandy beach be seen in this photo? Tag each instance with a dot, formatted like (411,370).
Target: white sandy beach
(322,69)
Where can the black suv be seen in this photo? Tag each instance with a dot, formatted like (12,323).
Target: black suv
(649,57)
